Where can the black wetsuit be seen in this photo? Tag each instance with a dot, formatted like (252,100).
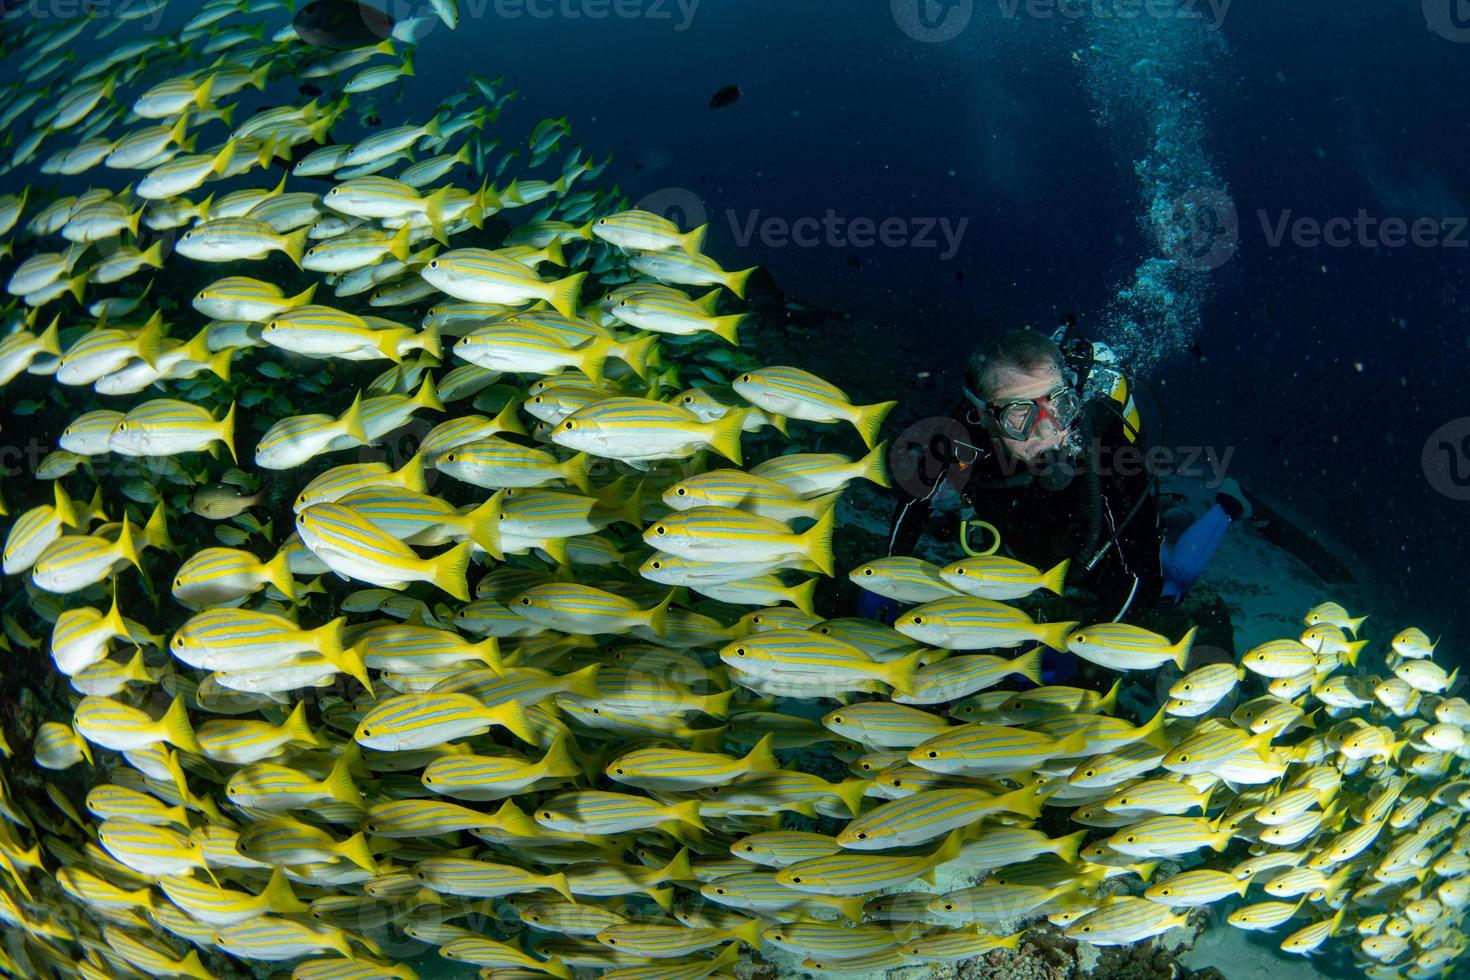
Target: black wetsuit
(1043,517)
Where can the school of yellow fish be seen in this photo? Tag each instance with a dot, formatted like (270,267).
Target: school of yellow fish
(619,751)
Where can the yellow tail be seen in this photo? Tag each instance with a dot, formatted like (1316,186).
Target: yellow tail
(564,294)
(817,543)
(448,571)
(1028,665)
(736,281)
(725,434)
(278,573)
(869,418)
(873,468)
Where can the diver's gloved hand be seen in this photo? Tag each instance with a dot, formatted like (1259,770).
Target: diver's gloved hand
(1232,500)
(881,608)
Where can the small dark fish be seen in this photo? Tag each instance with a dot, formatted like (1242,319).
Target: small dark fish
(725,97)
(342,24)
(309,90)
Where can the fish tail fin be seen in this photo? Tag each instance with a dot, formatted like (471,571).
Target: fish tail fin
(678,868)
(449,571)
(1055,635)
(219,364)
(512,715)
(278,573)
(718,705)
(339,785)
(817,543)
(1351,653)
(1028,665)
(66,511)
(873,468)
(1054,580)
(126,546)
(900,673)
(662,897)
(351,421)
(153,255)
(349,661)
(762,757)
(1152,731)
(1356,624)
(636,354)
(583,682)
(725,435)
(155,531)
(226,432)
(575,472)
(736,281)
(851,792)
(509,419)
(869,419)
(658,616)
(592,360)
(1068,847)
(687,812)
(1181,649)
(149,339)
(801,596)
(50,339)
(355,849)
(483,524)
(302,298)
(223,159)
(277,895)
(558,883)
(566,293)
(558,763)
(434,211)
(1110,701)
(294,245)
(727,328)
(297,727)
(176,728)
(950,849)
(693,242)
(428,396)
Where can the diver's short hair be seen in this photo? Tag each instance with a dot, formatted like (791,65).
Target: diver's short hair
(1021,349)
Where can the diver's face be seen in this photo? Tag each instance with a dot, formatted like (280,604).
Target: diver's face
(1017,385)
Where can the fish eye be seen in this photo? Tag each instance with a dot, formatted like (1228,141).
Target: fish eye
(933,754)
(837,721)
(864,836)
(681,491)
(796,881)
(655,564)
(1184,758)
(1188,687)
(868,572)
(660,530)
(618,771)
(525,600)
(918,620)
(569,424)
(1129,839)
(367,731)
(1090,773)
(1166,891)
(434,264)
(745,377)
(1080,638)
(740,651)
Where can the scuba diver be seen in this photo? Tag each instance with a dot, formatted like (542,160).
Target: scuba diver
(1047,449)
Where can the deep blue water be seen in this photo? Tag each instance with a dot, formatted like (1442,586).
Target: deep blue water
(1323,369)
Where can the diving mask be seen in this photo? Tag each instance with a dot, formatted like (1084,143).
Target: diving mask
(1019,419)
